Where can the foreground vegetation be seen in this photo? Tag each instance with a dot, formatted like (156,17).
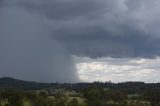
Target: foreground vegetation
(92,96)
(15,92)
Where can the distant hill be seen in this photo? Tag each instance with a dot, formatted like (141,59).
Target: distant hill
(7,82)
(129,87)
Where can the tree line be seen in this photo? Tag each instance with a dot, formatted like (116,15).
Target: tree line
(19,97)
(92,96)
(129,87)
(109,97)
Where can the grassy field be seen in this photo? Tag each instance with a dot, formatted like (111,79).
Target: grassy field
(26,103)
(80,101)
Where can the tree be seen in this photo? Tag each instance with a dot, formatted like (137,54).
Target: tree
(32,97)
(60,99)
(51,102)
(43,94)
(94,96)
(38,100)
(153,96)
(73,102)
(116,97)
(15,98)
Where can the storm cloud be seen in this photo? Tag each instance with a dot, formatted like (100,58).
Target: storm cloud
(95,28)
(38,35)
(29,51)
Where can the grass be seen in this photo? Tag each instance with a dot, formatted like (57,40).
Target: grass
(80,100)
(26,103)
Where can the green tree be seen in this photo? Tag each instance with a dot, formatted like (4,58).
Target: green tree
(14,98)
(73,102)
(153,96)
(116,97)
(94,96)
(32,97)
(43,94)
(51,102)
(60,99)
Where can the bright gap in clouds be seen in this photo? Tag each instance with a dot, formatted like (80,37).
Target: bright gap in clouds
(118,70)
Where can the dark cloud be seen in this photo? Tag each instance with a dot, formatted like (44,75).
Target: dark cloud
(102,43)
(103,28)
(92,28)
(28,51)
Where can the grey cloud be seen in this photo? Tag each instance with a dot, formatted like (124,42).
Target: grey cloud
(101,28)
(107,27)
(87,28)
(60,9)
(28,51)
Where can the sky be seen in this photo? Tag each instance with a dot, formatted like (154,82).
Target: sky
(80,40)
